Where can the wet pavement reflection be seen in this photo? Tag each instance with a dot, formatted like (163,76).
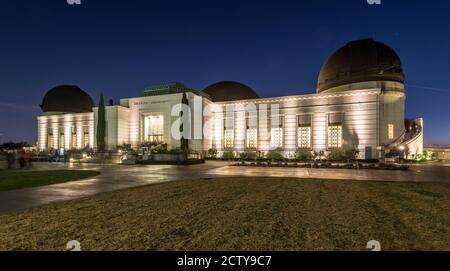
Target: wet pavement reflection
(115,177)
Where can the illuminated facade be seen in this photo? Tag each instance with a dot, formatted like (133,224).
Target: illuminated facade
(67,131)
(359,104)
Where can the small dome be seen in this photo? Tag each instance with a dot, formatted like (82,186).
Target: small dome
(67,99)
(230,91)
(361,61)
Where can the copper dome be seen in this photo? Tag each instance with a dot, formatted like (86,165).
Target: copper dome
(67,99)
(230,91)
(360,61)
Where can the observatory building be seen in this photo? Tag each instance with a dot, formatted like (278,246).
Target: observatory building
(359,103)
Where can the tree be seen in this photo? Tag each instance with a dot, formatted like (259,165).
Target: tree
(14,146)
(101,125)
(184,144)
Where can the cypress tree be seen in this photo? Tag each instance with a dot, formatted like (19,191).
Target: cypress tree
(101,125)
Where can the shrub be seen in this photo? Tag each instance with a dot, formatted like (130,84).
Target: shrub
(123,148)
(428,155)
(74,151)
(162,148)
(212,153)
(303,155)
(394,153)
(318,155)
(351,154)
(336,155)
(248,155)
(228,155)
(275,155)
(259,155)
(340,155)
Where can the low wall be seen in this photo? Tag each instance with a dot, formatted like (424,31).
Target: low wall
(441,153)
(168,157)
(114,158)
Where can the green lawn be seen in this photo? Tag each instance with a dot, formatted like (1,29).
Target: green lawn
(11,180)
(242,214)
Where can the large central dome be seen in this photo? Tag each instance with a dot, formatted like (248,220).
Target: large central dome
(361,61)
(230,91)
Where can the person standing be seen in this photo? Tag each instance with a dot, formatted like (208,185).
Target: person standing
(27,157)
(10,159)
(21,157)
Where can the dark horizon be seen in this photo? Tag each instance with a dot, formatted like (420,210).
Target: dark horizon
(275,47)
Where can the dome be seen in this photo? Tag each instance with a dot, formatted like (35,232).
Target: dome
(230,91)
(361,61)
(67,99)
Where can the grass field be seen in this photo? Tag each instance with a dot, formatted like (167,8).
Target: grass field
(11,180)
(242,214)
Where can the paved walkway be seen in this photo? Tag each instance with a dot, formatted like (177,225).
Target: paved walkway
(114,177)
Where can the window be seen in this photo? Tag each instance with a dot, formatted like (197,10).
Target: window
(157,139)
(390,131)
(304,131)
(276,138)
(229,138)
(276,132)
(335,121)
(252,131)
(61,141)
(252,138)
(73,139)
(304,137)
(85,139)
(334,136)
(154,128)
(50,141)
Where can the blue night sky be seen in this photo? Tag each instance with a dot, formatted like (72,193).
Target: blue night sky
(119,47)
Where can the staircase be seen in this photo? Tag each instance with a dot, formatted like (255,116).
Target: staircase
(411,139)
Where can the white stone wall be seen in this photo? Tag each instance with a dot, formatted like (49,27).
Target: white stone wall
(64,123)
(360,120)
(366,115)
(123,127)
(415,145)
(117,126)
(392,111)
(160,105)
